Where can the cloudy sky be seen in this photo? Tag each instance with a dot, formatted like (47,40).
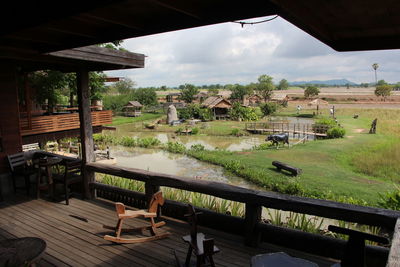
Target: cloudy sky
(227,53)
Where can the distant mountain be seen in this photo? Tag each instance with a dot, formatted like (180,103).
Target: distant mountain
(340,82)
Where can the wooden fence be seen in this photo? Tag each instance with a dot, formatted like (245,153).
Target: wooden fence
(251,226)
(291,128)
(62,122)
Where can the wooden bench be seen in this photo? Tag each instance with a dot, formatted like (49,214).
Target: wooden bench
(283,166)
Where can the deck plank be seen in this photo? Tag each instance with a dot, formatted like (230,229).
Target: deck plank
(74,236)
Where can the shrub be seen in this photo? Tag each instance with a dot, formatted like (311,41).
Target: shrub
(196,112)
(195,130)
(326,121)
(265,146)
(127,141)
(147,142)
(235,132)
(205,114)
(238,112)
(269,108)
(197,147)
(336,132)
(390,200)
(175,147)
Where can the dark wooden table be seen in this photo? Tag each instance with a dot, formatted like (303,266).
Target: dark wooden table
(45,170)
(279,259)
(21,251)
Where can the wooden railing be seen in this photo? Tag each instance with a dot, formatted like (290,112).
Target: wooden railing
(285,127)
(251,225)
(62,122)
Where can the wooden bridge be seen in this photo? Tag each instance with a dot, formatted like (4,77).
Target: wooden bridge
(300,129)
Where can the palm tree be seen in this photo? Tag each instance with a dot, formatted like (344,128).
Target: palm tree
(375,66)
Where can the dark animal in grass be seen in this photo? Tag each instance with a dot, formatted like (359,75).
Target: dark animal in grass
(278,138)
(355,116)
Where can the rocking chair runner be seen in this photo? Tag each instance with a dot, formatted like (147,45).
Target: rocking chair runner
(156,200)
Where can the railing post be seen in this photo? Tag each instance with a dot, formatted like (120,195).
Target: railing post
(252,235)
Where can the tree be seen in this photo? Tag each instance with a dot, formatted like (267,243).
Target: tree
(283,85)
(49,86)
(381,82)
(365,85)
(268,108)
(383,91)
(124,86)
(188,93)
(145,96)
(238,92)
(265,87)
(375,66)
(311,91)
(213,91)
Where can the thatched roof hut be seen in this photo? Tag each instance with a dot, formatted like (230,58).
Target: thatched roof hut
(133,109)
(220,106)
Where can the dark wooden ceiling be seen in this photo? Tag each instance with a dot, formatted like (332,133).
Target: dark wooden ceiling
(347,25)
(44,26)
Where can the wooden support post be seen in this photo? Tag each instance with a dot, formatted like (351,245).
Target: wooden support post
(252,235)
(394,254)
(86,130)
(28,101)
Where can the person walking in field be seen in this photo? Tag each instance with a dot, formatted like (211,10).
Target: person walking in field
(298,109)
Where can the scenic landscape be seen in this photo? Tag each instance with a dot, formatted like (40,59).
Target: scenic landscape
(200,133)
(343,139)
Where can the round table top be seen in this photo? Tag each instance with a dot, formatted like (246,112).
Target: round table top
(48,161)
(21,251)
(279,259)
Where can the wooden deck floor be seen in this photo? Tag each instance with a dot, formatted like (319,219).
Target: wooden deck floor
(74,236)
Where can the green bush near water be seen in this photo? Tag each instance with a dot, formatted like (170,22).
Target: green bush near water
(127,141)
(336,132)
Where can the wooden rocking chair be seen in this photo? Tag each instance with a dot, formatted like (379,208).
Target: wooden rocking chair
(156,200)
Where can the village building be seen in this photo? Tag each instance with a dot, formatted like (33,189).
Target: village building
(219,106)
(132,109)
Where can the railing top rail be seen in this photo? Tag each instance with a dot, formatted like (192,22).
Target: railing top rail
(324,208)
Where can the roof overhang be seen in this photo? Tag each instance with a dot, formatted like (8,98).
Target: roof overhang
(92,58)
(46,26)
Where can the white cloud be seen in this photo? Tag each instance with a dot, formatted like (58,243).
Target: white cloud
(228,53)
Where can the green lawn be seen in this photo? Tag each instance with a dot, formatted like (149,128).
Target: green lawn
(359,166)
(118,120)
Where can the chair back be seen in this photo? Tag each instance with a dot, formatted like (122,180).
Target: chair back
(192,219)
(156,200)
(16,161)
(120,207)
(73,168)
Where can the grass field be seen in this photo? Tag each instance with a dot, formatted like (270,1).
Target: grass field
(357,167)
(118,120)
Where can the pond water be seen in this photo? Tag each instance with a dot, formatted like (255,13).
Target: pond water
(230,143)
(156,160)
(176,164)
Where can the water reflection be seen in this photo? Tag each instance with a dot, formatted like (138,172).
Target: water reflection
(175,164)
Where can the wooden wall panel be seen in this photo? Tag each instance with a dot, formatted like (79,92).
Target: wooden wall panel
(9,116)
